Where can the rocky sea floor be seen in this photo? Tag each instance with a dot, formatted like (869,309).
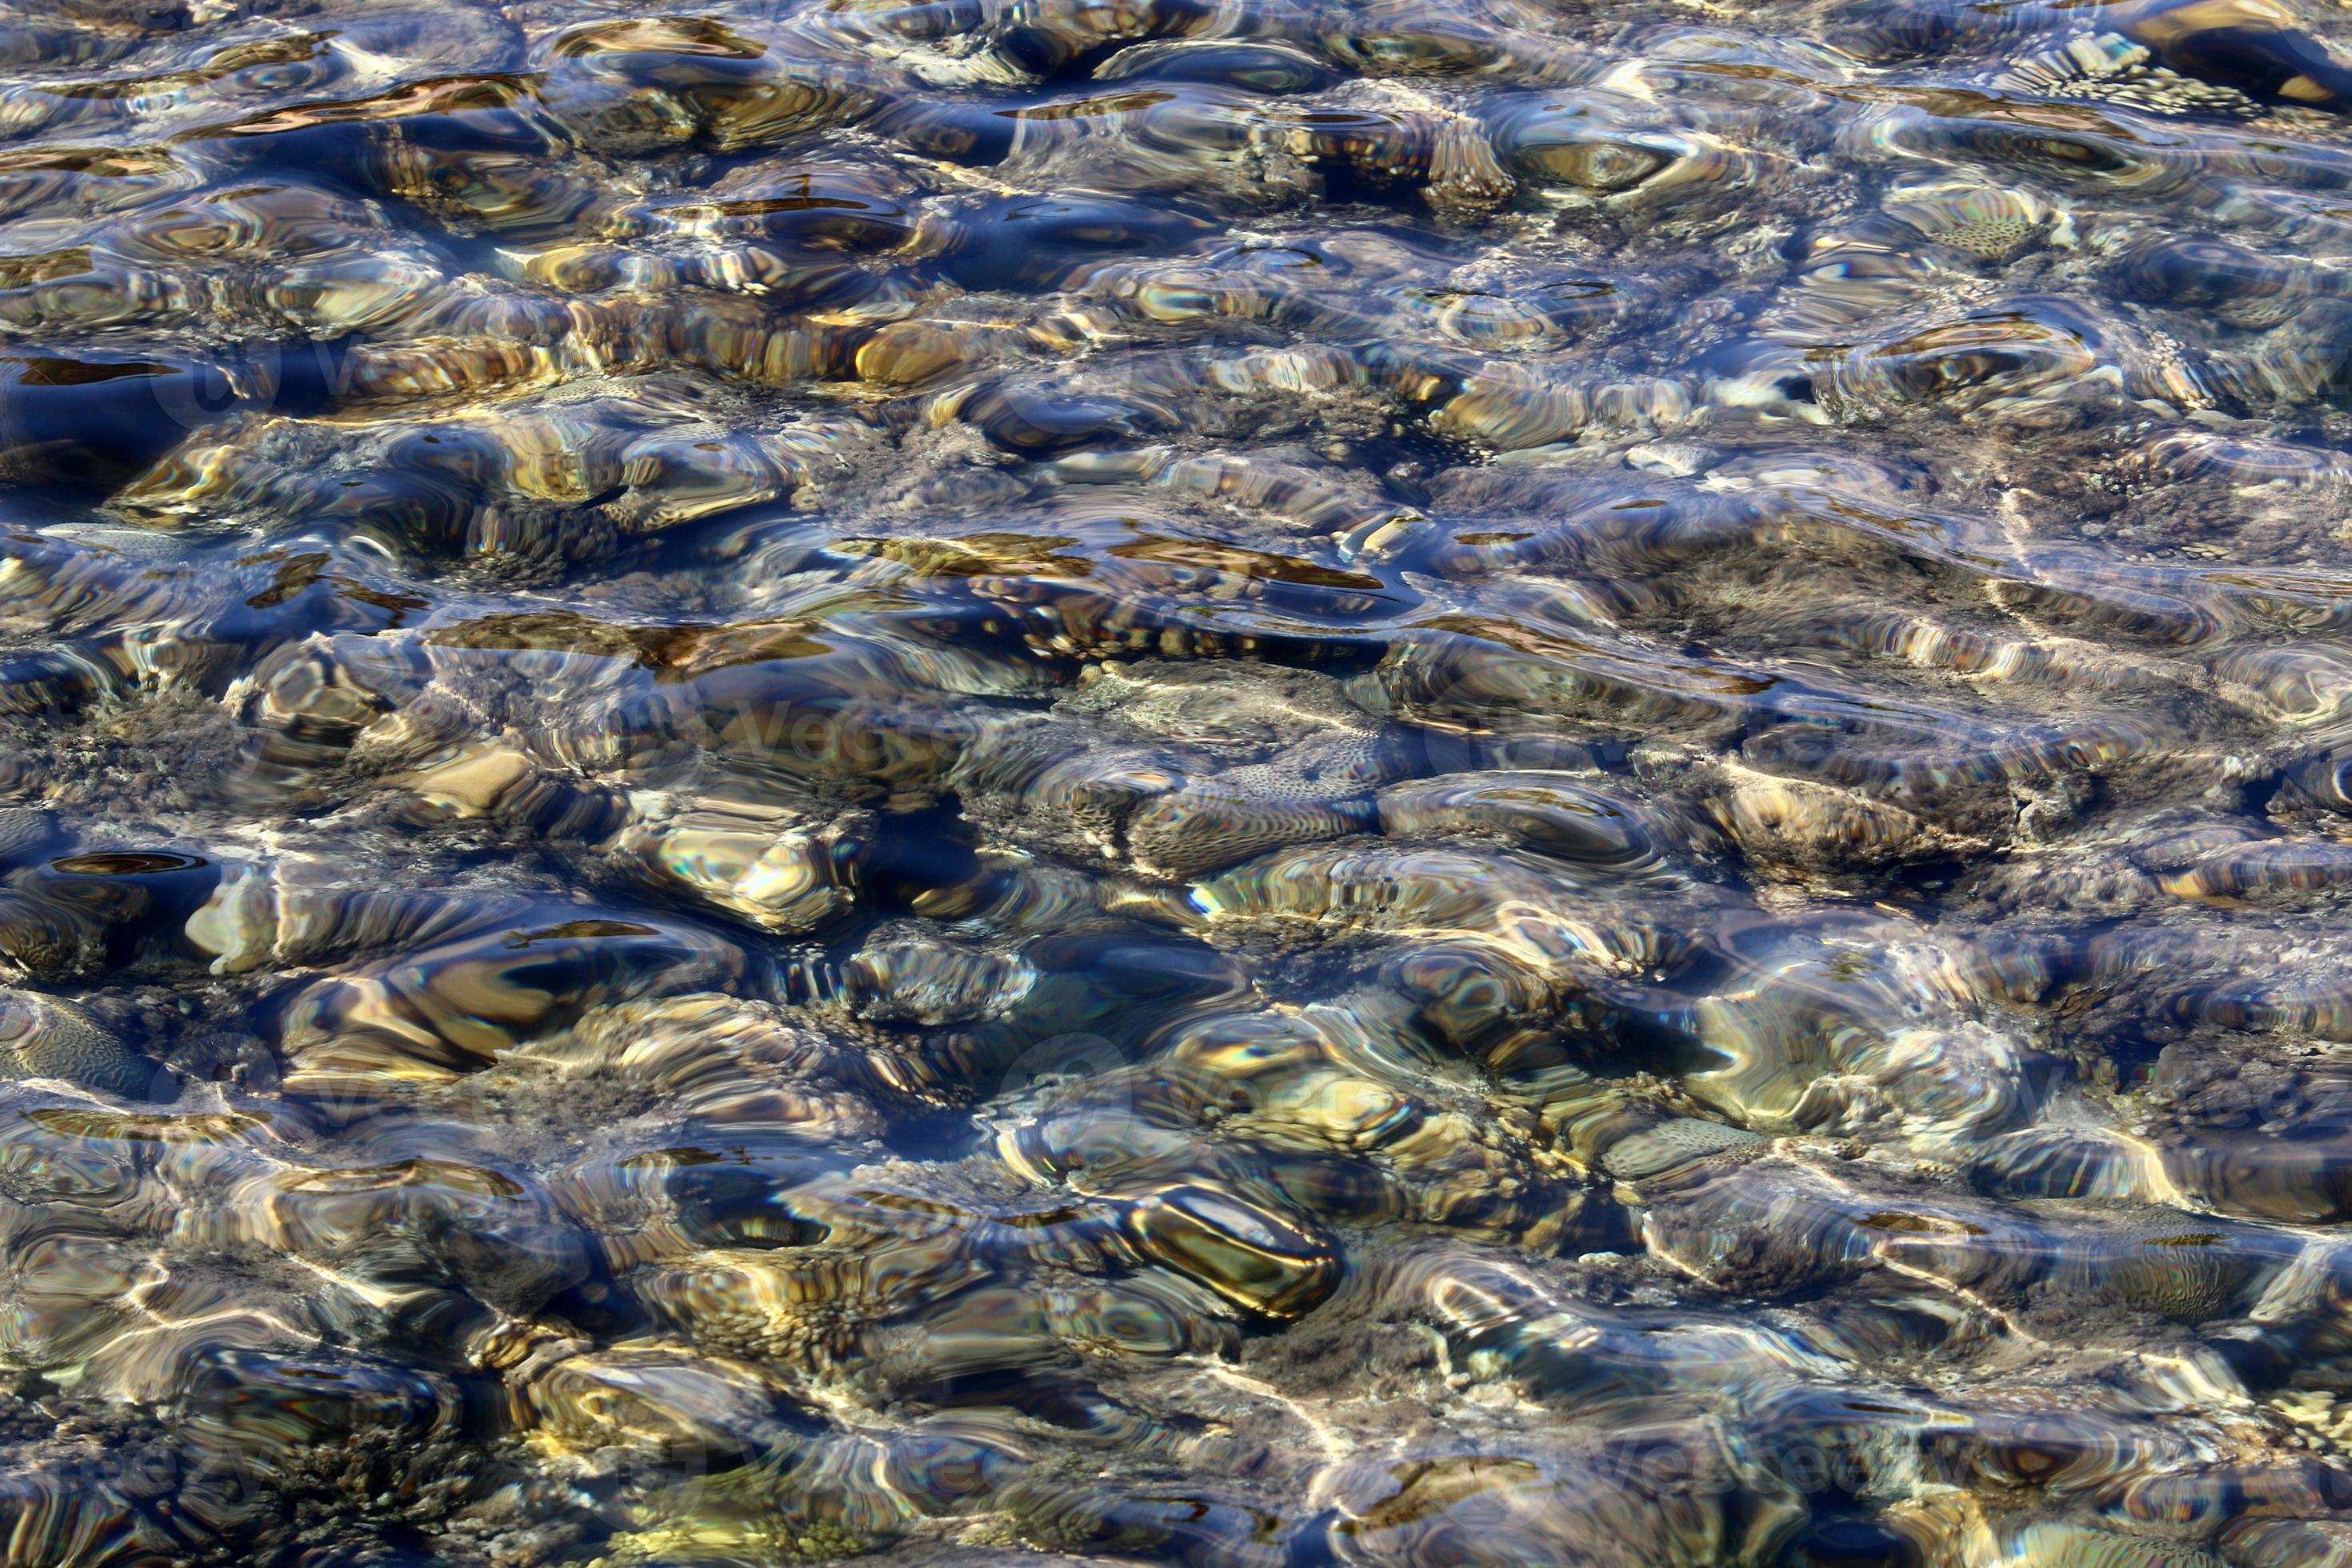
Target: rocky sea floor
(1243,783)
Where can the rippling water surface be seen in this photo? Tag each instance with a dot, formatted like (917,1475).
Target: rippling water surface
(1235,781)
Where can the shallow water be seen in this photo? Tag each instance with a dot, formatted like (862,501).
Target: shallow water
(1231,782)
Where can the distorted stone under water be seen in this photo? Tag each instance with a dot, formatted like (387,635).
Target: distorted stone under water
(1246,783)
